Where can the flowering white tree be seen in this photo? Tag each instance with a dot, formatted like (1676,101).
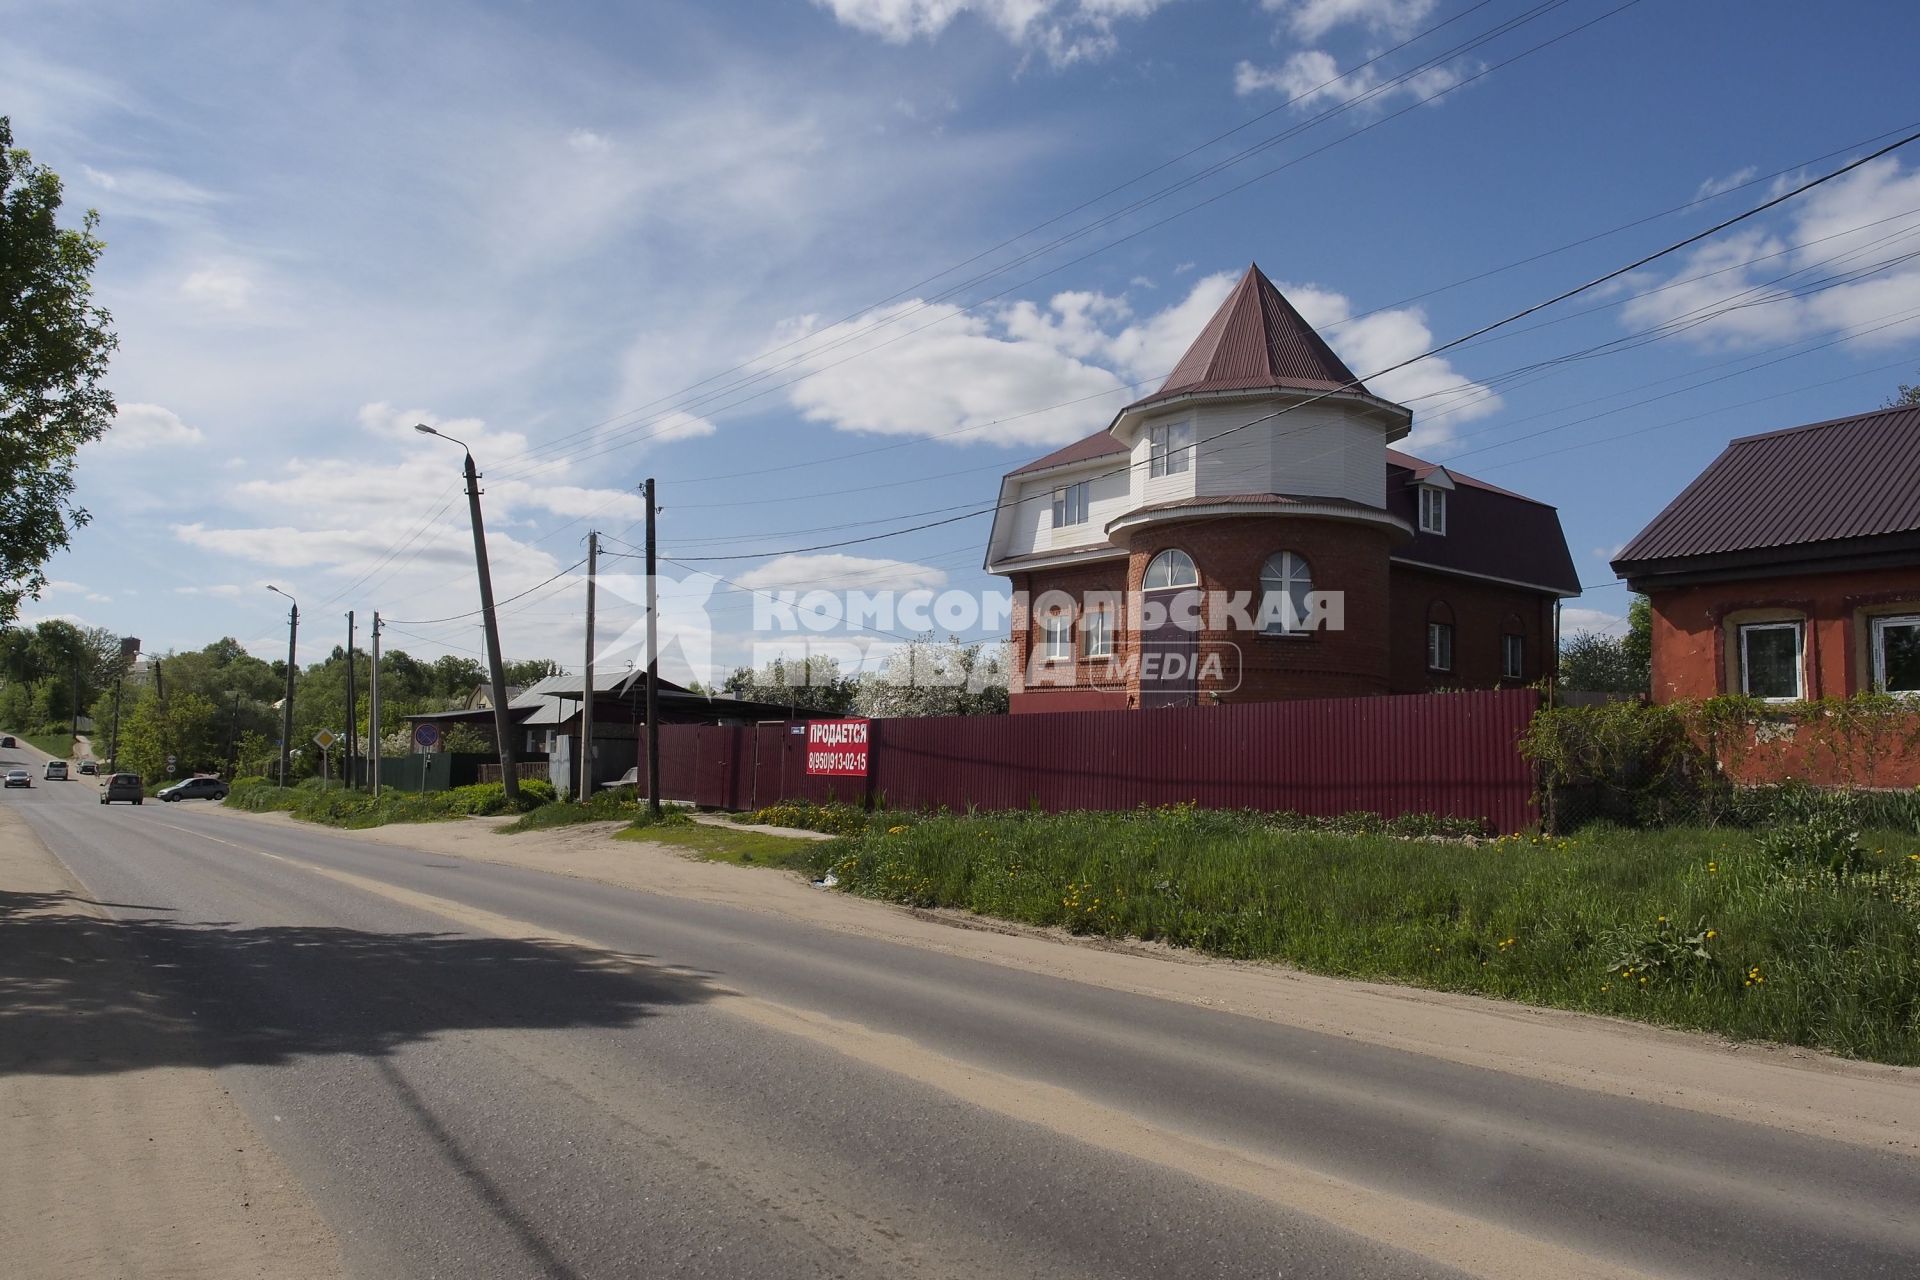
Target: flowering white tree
(929,677)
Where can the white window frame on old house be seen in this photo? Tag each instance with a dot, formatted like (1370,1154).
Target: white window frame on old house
(1056,638)
(1440,646)
(1070,502)
(1169,449)
(1286,573)
(1433,510)
(1879,641)
(1799,630)
(1513,656)
(1096,624)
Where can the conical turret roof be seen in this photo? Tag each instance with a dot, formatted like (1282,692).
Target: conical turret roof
(1256,340)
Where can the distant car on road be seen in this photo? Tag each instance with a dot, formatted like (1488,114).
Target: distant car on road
(123,786)
(19,778)
(6,740)
(88,766)
(194,789)
(56,771)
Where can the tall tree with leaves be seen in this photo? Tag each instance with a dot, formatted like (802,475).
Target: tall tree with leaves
(54,347)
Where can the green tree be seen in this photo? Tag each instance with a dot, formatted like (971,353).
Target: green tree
(1596,663)
(806,684)
(54,347)
(1907,396)
(186,726)
(931,677)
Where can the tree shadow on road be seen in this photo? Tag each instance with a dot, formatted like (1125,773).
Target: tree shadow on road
(83,995)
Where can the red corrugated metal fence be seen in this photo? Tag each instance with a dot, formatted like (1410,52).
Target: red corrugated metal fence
(1452,754)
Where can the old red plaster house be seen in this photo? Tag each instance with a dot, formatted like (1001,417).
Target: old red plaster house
(1262,466)
(1790,567)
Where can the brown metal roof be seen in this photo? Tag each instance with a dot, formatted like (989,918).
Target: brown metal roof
(1254,341)
(1097,445)
(1849,478)
(1490,532)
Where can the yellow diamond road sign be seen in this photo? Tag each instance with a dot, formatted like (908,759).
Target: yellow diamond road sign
(324,739)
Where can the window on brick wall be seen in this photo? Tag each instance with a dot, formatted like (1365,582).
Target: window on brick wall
(1285,580)
(1896,654)
(1056,638)
(1439,646)
(1771,665)
(1097,627)
(1171,568)
(1513,657)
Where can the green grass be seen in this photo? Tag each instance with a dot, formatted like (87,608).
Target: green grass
(606,806)
(57,745)
(1608,921)
(356,810)
(718,844)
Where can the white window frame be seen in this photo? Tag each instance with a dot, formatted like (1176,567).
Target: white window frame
(1096,624)
(1879,645)
(1513,656)
(1433,510)
(1170,585)
(1070,504)
(1292,568)
(1437,631)
(1056,638)
(1799,657)
(1169,449)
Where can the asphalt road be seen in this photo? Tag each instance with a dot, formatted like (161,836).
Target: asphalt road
(483,1071)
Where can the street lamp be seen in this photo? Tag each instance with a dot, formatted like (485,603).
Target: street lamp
(496,670)
(286,707)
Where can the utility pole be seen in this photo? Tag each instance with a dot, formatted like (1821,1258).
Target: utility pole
(353,707)
(496,670)
(653,668)
(286,707)
(586,679)
(373,710)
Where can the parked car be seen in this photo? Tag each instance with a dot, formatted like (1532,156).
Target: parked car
(56,771)
(194,789)
(631,778)
(123,786)
(19,778)
(88,766)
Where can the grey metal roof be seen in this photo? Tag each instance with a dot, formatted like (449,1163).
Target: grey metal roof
(1848,478)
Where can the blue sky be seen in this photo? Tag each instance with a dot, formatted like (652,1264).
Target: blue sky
(540,225)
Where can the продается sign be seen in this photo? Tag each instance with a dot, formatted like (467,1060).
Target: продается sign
(837,747)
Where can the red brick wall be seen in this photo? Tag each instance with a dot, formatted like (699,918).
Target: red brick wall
(1691,657)
(1481,612)
(1081,685)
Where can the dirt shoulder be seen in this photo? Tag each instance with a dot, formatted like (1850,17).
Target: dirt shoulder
(111,1168)
(1789,1088)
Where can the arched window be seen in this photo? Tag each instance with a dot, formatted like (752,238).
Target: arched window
(1171,568)
(1285,580)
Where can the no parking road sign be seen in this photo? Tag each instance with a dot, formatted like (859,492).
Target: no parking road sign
(426,736)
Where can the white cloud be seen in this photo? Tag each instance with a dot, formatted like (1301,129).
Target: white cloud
(149,426)
(1311,19)
(835,572)
(982,376)
(1312,76)
(220,287)
(1575,620)
(60,586)
(1855,225)
(1064,31)
(588,143)
(1720,186)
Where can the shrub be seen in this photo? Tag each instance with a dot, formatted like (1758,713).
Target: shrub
(805,815)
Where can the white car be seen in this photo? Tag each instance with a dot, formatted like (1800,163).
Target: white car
(56,771)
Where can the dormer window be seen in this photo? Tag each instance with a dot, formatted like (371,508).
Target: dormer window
(1169,446)
(1433,510)
(1070,505)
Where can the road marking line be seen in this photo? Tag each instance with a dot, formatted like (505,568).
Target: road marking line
(1454,1239)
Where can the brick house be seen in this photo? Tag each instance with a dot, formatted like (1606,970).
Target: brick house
(1262,469)
(1790,568)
